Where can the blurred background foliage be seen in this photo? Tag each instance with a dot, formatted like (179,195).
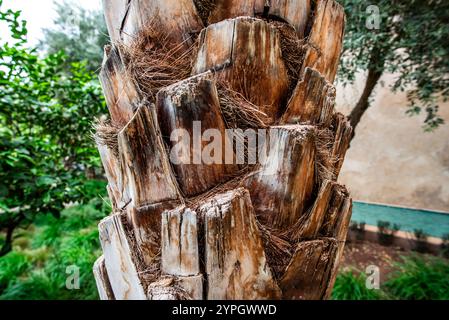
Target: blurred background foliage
(407,38)
(51,188)
(416,277)
(52,191)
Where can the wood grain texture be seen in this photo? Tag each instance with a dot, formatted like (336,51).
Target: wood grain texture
(311,222)
(180,243)
(151,183)
(308,274)
(193,229)
(114,12)
(246,53)
(118,255)
(225,9)
(178,19)
(146,224)
(117,184)
(312,101)
(282,188)
(294,12)
(165,289)
(191,109)
(235,265)
(192,285)
(144,160)
(341,232)
(338,214)
(121,94)
(102,280)
(325,39)
(343,134)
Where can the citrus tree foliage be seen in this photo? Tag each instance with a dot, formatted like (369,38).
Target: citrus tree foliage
(409,40)
(81,33)
(45,124)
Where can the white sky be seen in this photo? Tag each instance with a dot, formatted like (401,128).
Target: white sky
(39,14)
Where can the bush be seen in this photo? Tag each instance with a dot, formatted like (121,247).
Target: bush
(445,246)
(386,234)
(420,241)
(39,271)
(13,265)
(420,279)
(358,229)
(351,286)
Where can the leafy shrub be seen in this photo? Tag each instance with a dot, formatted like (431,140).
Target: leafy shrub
(39,272)
(46,112)
(13,265)
(352,286)
(445,246)
(420,241)
(420,279)
(358,229)
(386,234)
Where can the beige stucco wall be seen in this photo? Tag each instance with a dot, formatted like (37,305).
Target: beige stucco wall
(391,159)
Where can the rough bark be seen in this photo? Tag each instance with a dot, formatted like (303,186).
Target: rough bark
(282,187)
(325,39)
(183,228)
(119,90)
(120,260)
(312,101)
(236,265)
(246,53)
(102,280)
(193,105)
(301,279)
(126,18)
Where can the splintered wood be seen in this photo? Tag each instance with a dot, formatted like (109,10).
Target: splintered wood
(247,54)
(119,260)
(145,161)
(180,243)
(117,185)
(199,212)
(102,280)
(301,279)
(236,264)
(188,111)
(312,102)
(326,39)
(180,257)
(118,88)
(125,19)
(282,188)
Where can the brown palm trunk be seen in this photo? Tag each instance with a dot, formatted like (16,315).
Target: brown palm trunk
(265,225)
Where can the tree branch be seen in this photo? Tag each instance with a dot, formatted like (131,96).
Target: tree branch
(375,70)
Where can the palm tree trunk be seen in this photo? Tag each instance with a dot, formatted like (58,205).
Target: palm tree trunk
(237,220)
